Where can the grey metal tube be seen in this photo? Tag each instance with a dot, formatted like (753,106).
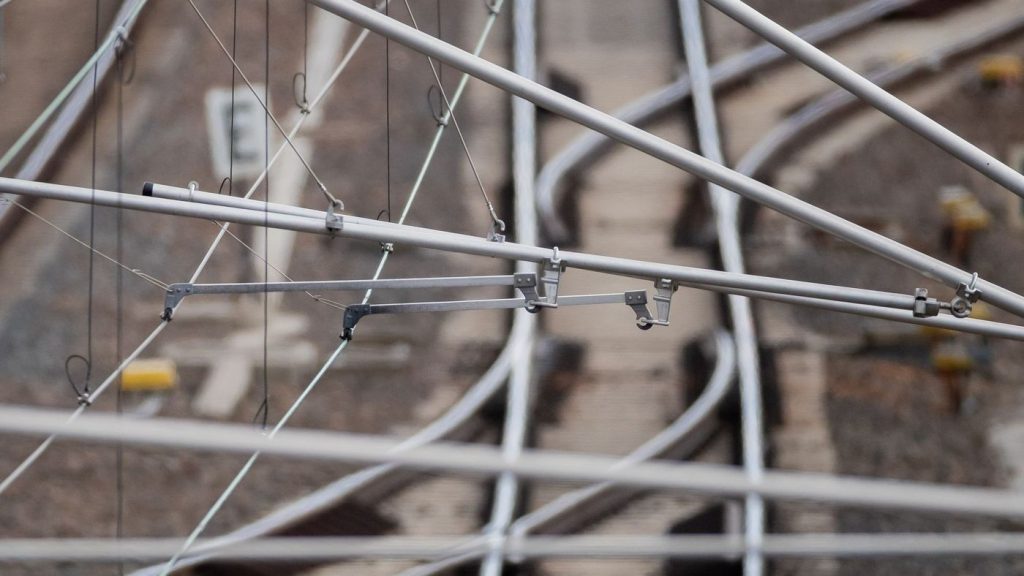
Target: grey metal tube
(968,325)
(475,459)
(872,94)
(200,197)
(668,152)
(584,150)
(325,548)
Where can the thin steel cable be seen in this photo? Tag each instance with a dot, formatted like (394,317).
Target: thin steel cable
(92,209)
(498,224)
(136,271)
(34,456)
(264,408)
(231,122)
(385,254)
(251,250)
(120,53)
(387,114)
(320,185)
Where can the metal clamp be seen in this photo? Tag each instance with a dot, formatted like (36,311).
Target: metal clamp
(552,275)
(663,300)
(353,314)
(333,221)
(174,295)
(966,295)
(497,233)
(637,300)
(925,307)
(526,283)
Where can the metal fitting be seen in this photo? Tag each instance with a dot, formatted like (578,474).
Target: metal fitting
(925,307)
(637,301)
(966,295)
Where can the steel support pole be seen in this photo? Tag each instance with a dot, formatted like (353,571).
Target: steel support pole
(668,152)
(873,94)
(337,548)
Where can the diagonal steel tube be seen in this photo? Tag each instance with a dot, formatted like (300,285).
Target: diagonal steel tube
(668,152)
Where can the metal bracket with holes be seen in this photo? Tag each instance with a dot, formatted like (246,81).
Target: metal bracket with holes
(637,301)
(663,300)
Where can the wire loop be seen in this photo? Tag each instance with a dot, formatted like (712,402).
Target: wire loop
(124,51)
(440,111)
(81,394)
(300,95)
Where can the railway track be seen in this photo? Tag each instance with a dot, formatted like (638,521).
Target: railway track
(602,396)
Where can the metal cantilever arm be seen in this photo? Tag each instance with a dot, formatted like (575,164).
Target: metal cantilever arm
(636,299)
(177,292)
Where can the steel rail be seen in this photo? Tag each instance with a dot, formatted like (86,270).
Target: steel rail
(668,152)
(873,94)
(336,548)
(590,146)
(518,404)
(476,460)
(681,433)
(729,243)
(839,100)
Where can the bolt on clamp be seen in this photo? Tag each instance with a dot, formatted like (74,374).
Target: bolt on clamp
(925,307)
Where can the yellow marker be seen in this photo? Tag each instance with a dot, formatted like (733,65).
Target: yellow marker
(1001,68)
(149,375)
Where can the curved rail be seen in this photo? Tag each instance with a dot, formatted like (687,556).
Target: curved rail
(590,146)
(675,439)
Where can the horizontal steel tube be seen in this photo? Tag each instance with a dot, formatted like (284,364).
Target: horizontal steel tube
(321,548)
(667,151)
(476,459)
(344,285)
(200,197)
(969,325)
(491,304)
